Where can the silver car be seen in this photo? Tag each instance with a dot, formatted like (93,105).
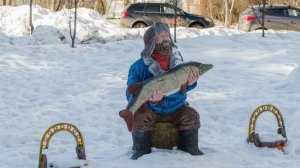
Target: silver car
(277,17)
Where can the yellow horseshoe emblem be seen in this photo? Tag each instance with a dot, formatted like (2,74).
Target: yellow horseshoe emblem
(80,150)
(254,137)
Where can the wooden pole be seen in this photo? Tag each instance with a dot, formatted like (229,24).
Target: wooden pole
(30,16)
(175,16)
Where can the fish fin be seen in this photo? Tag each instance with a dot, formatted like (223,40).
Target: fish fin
(128,118)
(134,88)
(182,88)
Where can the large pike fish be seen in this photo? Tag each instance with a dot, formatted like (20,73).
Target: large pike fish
(172,80)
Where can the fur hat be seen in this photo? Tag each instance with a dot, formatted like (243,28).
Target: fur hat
(150,40)
(151,35)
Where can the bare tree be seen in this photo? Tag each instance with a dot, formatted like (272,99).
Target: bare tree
(60,5)
(228,12)
(75,3)
(72,28)
(263,18)
(52,5)
(56,5)
(210,8)
(42,3)
(99,6)
(30,17)
(202,7)
(108,8)
(81,3)
(126,2)
(261,6)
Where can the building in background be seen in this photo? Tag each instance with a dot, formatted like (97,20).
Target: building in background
(115,9)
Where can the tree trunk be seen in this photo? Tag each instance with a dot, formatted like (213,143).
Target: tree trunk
(108,9)
(30,17)
(226,15)
(231,12)
(228,12)
(210,9)
(201,5)
(263,18)
(9,2)
(52,5)
(60,5)
(99,7)
(81,3)
(73,36)
(48,4)
(126,2)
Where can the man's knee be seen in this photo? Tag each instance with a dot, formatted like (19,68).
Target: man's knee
(188,118)
(144,120)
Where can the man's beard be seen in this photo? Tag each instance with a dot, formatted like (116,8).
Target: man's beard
(164,48)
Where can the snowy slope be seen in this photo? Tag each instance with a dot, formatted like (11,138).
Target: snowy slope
(44,81)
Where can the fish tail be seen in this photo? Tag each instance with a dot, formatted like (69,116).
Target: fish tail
(128,118)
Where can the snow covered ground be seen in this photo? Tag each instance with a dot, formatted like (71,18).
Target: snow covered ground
(44,81)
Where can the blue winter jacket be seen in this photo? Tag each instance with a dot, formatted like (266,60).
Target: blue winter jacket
(139,72)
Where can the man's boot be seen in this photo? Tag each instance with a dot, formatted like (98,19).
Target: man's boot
(141,144)
(188,142)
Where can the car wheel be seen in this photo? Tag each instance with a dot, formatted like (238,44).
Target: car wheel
(139,25)
(197,25)
(260,28)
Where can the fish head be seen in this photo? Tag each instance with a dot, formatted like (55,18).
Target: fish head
(205,67)
(199,68)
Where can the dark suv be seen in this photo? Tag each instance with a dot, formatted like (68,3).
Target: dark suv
(277,17)
(144,14)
